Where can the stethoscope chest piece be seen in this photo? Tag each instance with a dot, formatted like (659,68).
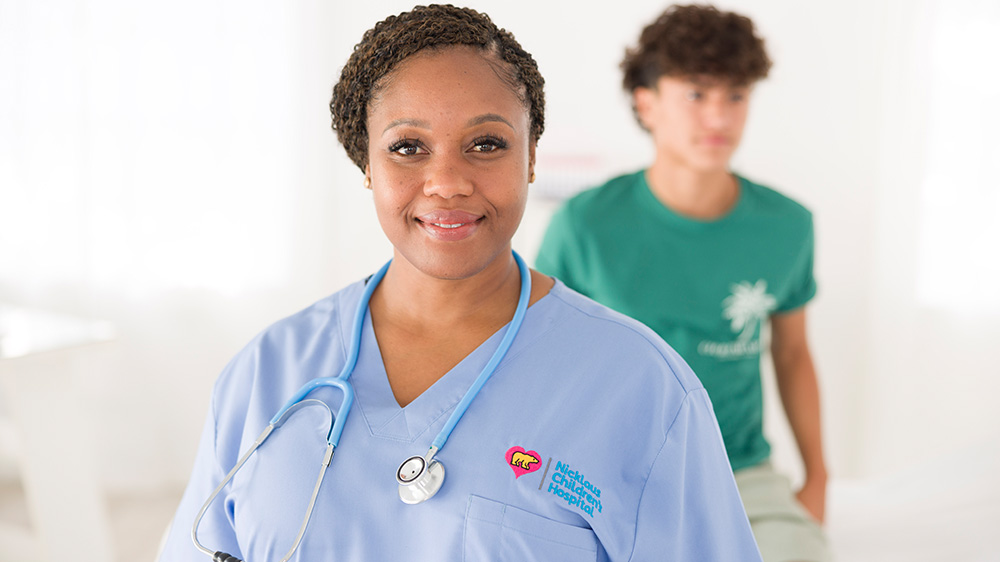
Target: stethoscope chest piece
(419,479)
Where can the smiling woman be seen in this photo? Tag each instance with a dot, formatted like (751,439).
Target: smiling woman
(450,176)
(456,337)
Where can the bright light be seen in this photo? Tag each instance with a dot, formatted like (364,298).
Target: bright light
(959,259)
(148,148)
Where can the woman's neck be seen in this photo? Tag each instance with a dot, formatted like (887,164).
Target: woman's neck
(409,298)
(425,326)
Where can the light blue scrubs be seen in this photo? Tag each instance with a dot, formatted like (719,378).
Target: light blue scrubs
(593,440)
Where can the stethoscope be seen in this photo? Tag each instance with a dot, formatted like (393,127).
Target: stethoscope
(419,477)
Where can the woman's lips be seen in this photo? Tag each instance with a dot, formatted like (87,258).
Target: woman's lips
(449,225)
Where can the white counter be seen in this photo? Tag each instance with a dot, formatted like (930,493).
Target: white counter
(45,358)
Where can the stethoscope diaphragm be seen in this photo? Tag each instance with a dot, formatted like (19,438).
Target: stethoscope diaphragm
(419,478)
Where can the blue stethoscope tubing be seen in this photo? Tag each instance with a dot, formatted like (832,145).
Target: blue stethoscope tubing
(341,383)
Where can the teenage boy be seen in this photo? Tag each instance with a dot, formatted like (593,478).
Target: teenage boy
(705,257)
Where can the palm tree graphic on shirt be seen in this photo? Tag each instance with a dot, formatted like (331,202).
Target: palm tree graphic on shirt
(747,307)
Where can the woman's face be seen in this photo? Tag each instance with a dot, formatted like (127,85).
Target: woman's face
(449,158)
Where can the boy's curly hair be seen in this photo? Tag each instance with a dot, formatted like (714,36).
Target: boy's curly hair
(395,38)
(696,40)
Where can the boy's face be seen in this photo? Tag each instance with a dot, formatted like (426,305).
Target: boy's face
(696,121)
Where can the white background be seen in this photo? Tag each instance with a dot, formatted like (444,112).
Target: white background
(170,167)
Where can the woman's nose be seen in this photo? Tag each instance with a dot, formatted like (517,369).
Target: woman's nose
(448,177)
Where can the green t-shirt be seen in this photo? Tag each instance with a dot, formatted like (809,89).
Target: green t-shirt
(704,286)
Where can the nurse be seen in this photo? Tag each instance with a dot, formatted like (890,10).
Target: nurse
(590,440)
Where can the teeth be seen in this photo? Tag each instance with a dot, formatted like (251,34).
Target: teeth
(448,225)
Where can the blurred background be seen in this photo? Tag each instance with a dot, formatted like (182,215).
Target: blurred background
(170,185)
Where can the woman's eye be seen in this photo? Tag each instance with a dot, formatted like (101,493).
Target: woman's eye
(737,98)
(488,144)
(694,95)
(405,147)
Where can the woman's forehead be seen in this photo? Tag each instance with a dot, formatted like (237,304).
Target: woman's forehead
(455,80)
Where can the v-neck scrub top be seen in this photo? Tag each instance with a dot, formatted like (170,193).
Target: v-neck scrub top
(593,440)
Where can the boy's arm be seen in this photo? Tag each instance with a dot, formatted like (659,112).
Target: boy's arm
(799,390)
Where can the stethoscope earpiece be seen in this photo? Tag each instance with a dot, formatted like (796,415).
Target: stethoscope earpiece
(419,478)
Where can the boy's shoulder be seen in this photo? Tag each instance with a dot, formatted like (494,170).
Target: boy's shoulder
(602,198)
(770,201)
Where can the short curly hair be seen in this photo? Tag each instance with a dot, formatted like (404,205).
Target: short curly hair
(396,38)
(696,40)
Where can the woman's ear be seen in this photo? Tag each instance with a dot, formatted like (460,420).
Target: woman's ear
(368,178)
(531,162)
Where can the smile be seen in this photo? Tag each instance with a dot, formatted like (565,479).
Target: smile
(450,226)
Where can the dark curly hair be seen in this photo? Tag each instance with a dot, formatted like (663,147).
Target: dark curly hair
(396,38)
(696,40)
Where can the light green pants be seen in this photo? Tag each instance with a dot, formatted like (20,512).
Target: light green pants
(785,532)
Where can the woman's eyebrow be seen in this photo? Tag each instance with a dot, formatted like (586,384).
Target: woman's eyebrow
(407,121)
(489,117)
(421,124)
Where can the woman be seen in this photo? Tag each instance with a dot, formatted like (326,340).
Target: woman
(587,438)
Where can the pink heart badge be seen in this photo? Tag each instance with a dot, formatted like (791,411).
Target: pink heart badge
(522,462)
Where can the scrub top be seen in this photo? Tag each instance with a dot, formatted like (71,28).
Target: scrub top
(593,440)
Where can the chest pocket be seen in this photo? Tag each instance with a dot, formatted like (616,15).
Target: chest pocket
(497,532)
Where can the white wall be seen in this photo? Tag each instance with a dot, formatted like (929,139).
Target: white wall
(172,169)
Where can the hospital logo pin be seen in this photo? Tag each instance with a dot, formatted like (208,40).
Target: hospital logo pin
(522,462)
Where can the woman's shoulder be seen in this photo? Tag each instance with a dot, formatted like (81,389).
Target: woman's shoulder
(275,362)
(330,309)
(584,362)
(607,337)
(319,328)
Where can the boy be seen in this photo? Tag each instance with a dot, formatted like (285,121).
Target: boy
(704,257)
